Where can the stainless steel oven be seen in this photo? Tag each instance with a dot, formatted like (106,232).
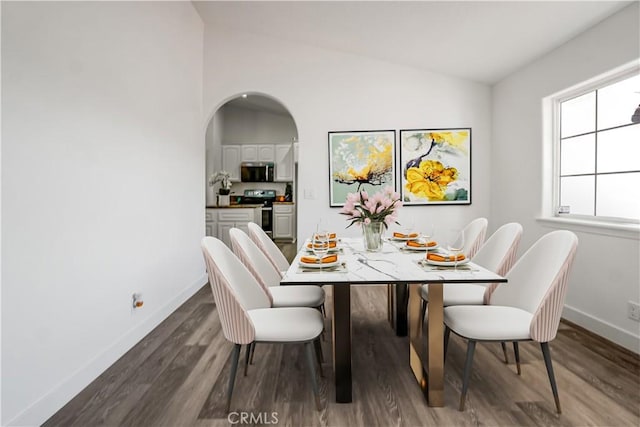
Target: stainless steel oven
(266,199)
(267,220)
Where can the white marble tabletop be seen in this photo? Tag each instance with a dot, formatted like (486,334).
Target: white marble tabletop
(393,264)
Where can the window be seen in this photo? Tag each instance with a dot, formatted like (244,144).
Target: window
(598,150)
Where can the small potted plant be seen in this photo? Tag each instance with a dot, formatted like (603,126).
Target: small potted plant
(225,186)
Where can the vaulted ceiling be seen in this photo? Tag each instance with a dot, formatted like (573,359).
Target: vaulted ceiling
(480,41)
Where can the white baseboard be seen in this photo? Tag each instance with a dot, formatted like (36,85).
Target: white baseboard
(43,408)
(605,329)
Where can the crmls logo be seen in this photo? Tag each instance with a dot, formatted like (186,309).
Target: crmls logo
(252,418)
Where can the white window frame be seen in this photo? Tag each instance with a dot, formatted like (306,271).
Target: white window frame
(618,227)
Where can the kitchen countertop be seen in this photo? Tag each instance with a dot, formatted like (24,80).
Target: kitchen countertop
(252,206)
(283,203)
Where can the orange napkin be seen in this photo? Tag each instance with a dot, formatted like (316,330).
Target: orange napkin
(331,245)
(444,258)
(417,244)
(331,235)
(404,236)
(314,260)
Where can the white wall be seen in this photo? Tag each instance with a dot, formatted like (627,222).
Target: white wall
(331,91)
(213,141)
(102,184)
(601,285)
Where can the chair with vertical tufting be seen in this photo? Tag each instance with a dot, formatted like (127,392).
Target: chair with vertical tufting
(247,316)
(528,308)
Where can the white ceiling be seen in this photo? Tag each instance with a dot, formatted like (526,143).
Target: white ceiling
(480,41)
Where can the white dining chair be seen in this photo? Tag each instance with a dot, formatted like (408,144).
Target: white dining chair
(497,254)
(270,249)
(269,278)
(527,308)
(474,234)
(246,314)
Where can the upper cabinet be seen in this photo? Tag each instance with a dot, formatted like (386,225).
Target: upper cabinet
(257,153)
(266,153)
(249,153)
(231,159)
(284,162)
(280,154)
(234,155)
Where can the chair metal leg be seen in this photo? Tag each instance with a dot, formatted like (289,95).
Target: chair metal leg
(253,350)
(546,353)
(312,373)
(319,357)
(471,347)
(423,309)
(247,352)
(232,376)
(516,352)
(324,315)
(504,351)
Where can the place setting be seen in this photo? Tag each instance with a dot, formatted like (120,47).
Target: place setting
(453,258)
(413,240)
(322,254)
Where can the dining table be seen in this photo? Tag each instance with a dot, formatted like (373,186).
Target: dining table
(404,270)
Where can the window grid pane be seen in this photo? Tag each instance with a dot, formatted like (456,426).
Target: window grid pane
(591,158)
(578,115)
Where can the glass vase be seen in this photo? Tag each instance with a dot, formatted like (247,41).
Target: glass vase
(372,236)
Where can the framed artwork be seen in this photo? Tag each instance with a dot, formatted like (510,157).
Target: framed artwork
(360,160)
(435,166)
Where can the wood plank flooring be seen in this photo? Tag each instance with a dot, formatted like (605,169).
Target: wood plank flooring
(177,376)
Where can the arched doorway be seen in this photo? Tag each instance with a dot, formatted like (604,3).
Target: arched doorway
(255,128)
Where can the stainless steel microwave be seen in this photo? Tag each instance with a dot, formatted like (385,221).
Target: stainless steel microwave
(257,172)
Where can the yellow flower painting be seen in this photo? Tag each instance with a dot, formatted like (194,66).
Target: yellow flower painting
(436,166)
(360,161)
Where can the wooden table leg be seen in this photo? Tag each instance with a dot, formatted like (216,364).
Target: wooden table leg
(342,342)
(431,376)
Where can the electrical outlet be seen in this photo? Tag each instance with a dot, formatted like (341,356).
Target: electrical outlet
(633,310)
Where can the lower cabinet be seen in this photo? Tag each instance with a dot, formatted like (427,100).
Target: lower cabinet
(283,224)
(221,220)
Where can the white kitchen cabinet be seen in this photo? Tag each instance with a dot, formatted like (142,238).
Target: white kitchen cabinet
(266,153)
(249,153)
(221,220)
(284,163)
(231,159)
(257,152)
(210,226)
(283,221)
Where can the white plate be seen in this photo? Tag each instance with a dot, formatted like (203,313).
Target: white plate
(423,248)
(319,265)
(331,250)
(404,239)
(447,263)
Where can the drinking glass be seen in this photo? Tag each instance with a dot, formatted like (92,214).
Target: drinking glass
(320,244)
(428,232)
(408,228)
(455,245)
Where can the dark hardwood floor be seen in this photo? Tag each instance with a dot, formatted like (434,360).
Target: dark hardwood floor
(177,376)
